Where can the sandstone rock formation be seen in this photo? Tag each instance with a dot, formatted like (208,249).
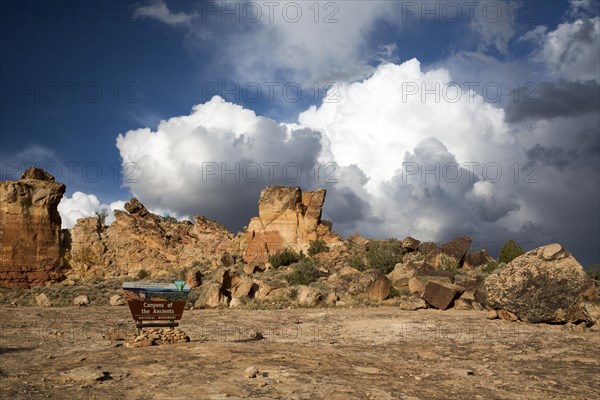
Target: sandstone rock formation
(30,235)
(544,285)
(139,240)
(286,218)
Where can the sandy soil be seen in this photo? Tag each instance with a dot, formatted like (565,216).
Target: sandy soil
(367,353)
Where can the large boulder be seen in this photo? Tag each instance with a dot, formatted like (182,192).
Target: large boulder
(441,294)
(210,295)
(546,284)
(286,218)
(450,255)
(371,284)
(477,259)
(457,248)
(30,236)
(410,244)
(308,296)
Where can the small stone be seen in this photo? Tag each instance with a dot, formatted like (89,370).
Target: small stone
(145,343)
(507,315)
(412,304)
(117,300)
(491,314)
(251,372)
(81,300)
(331,299)
(43,301)
(461,304)
(249,269)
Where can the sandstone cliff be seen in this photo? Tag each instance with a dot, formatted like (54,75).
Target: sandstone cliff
(30,236)
(286,218)
(139,240)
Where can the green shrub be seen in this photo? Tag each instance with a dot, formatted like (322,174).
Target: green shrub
(168,218)
(394,292)
(142,274)
(304,273)
(510,251)
(285,257)
(593,271)
(490,267)
(357,262)
(317,246)
(449,264)
(384,254)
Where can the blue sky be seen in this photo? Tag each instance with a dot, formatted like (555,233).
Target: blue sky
(75,76)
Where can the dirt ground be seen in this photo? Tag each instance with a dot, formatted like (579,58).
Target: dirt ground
(366,353)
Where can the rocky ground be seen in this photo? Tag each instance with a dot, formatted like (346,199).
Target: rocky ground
(322,353)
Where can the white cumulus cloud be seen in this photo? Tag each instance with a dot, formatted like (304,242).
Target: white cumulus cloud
(83,205)
(570,52)
(403,152)
(158,10)
(216,161)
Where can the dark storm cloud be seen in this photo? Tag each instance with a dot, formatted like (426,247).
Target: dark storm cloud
(552,156)
(553,100)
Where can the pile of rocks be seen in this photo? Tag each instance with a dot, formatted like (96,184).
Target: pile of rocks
(157,336)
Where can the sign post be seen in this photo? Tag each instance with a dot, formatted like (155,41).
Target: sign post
(156,304)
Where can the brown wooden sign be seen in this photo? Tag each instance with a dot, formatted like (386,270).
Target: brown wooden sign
(156,301)
(156,310)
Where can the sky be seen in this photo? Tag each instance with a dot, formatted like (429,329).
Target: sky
(433,119)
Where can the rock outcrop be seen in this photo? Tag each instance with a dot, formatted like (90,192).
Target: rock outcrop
(139,240)
(286,218)
(544,285)
(30,235)
(371,284)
